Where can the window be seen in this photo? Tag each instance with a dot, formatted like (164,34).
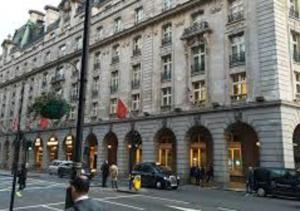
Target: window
(113,106)
(199,92)
(114,81)
(167,34)
(116,54)
(74,91)
(118,24)
(236,11)
(237,50)
(45,81)
(97,61)
(60,71)
(76,68)
(47,56)
(198,63)
(94,109)
(95,88)
(136,75)
(72,113)
(197,18)
(62,50)
(78,44)
(135,102)
(297,77)
(295,47)
(167,4)
(166,97)
(137,46)
(294,11)
(239,86)
(167,68)
(99,34)
(139,15)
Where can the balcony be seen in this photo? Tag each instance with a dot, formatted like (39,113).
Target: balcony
(135,84)
(58,78)
(196,29)
(136,52)
(166,76)
(113,89)
(166,41)
(198,69)
(237,59)
(238,97)
(294,13)
(165,108)
(115,59)
(237,16)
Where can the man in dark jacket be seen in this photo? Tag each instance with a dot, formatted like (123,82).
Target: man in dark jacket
(105,172)
(79,193)
(250,180)
(22,176)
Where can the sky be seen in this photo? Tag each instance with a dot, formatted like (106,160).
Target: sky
(14,13)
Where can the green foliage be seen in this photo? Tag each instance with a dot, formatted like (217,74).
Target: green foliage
(49,106)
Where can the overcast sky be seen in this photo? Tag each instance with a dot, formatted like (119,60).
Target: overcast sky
(14,13)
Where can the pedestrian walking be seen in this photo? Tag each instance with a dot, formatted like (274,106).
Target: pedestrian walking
(192,174)
(113,170)
(105,172)
(197,175)
(209,174)
(79,194)
(22,176)
(250,180)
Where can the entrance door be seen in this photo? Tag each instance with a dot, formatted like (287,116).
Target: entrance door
(235,159)
(38,156)
(93,158)
(165,155)
(198,154)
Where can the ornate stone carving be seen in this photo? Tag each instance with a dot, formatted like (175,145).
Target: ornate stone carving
(218,5)
(197,120)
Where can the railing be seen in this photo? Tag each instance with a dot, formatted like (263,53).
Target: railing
(197,69)
(165,108)
(294,13)
(166,41)
(136,52)
(166,76)
(238,97)
(237,59)
(235,16)
(135,84)
(115,59)
(113,89)
(195,29)
(57,78)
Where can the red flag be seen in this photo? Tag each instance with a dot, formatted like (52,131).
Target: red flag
(43,123)
(122,110)
(14,125)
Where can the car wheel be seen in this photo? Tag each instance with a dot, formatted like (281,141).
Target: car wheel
(261,192)
(175,188)
(159,184)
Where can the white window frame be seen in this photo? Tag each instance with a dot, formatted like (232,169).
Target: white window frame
(167,4)
(99,33)
(117,24)
(199,54)
(136,72)
(135,102)
(137,43)
(236,6)
(114,79)
(62,49)
(78,43)
(139,15)
(297,84)
(240,83)
(113,106)
(167,64)
(237,42)
(199,92)
(166,96)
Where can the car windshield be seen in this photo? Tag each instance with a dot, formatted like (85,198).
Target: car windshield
(163,169)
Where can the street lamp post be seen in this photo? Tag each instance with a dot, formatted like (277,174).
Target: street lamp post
(81,101)
(17,144)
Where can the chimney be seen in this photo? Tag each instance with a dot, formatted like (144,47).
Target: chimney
(52,14)
(36,16)
(7,46)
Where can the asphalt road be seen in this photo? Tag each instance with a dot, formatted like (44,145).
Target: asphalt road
(48,193)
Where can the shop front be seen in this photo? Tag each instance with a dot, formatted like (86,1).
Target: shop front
(52,146)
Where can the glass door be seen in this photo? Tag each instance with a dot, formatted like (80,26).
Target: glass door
(235,159)
(165,155)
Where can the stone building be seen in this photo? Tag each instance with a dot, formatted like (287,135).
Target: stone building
(207,82)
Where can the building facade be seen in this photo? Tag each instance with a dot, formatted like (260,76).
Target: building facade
(207,82)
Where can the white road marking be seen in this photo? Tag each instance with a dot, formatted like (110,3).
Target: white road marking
(165,199)
(35,206)
(51,208)
(120,197)
(183,208)
(225,209)
(120,204)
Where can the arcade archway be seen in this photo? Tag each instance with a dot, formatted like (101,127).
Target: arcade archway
(133,142)
(69,147)
(52,146)
(165,146)
(38,152)
(110,145)
(91,151)
(243,150)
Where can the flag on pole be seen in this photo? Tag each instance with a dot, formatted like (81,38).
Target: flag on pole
(43,124)
(122,110)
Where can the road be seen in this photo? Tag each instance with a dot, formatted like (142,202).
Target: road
(48,193)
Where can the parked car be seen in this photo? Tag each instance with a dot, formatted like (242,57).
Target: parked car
(277,181)
(53,167)
(157,176)
(65,169)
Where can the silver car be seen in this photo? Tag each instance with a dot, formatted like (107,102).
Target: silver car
(53,167)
